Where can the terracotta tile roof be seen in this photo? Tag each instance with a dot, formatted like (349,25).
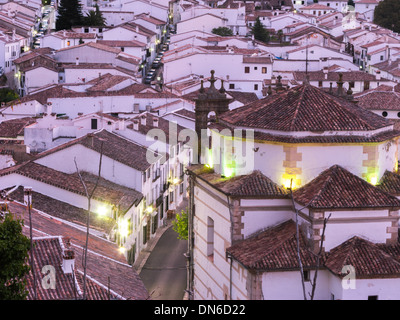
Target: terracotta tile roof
(369,260)
(68,286)
(122,43)
(338,188)
(316,6)
(163,125)
(63,210)
(334,76)
(241,96)
(63,34)
(114,147)
(95,45)
(49,251)
(106,190)
(390,182)
(253,185)
(150,19)
(104,259)
(379,100)
(304,108)
(137,28)
(273,249)
(186,113)
(61,92)
(15,127)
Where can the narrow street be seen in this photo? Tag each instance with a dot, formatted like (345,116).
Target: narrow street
(164,273)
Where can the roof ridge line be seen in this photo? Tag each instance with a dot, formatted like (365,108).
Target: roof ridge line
(300,100)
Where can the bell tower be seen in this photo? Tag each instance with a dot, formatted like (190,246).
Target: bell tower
(209,100)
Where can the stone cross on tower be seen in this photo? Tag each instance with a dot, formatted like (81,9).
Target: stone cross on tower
(209,100)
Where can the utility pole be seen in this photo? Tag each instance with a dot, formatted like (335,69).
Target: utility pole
(28,201)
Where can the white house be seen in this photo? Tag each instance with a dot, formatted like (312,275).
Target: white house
(366,7)
(316,9)
(126,165)
(63,39)
(244,226)
(205,22)
(252,66)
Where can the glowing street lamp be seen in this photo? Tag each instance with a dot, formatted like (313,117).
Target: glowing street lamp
(122,250)
(102,211)
(123,228)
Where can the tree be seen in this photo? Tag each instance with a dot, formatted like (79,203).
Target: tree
(180,225)
(69,14)
(318,255)
(14,247)
(387,15)
(7,94)
(94,18)
(259,32)
(222,31)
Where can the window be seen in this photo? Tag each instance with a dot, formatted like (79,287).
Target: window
(398,114)
(181,188)
(384,114)
(210,238)
(145,234)
(255,68)
(246,69)
(372,297)
(320,84)
(264,70)
(94,124)
(255,87)
(306,275)
(68,43)
(231,86)
(86,30)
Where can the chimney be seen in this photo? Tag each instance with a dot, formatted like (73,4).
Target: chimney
(137,28)
(325,71)
(143,120)
(378,75)
(135,124)
(68,259)
(49,108)
(121,124)
(28,196)
(91,139)
(155,122)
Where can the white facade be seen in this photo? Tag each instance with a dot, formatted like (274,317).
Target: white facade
(206,22)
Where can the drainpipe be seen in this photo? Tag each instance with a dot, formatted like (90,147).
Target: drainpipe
(189,254)
(230,275)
